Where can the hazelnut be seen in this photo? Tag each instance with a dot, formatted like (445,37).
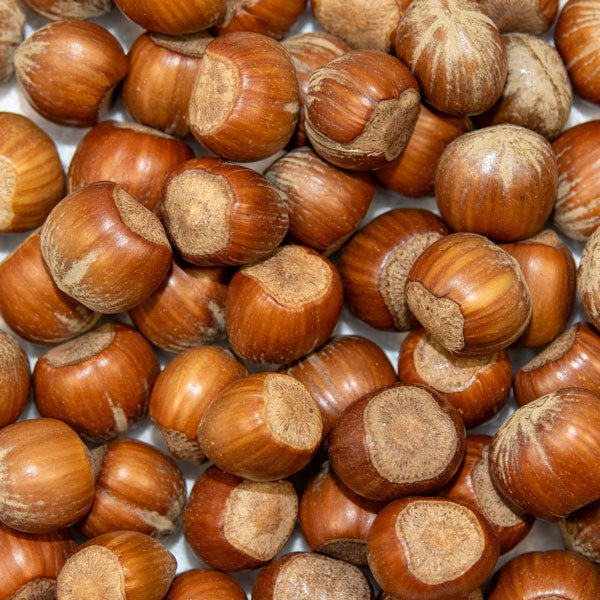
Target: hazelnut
(207,584)
(473,485)
(309,51)
(47,482)
(31,563)
(413,172)
(499,182)
(544,575)
(469,294)
(283,307)
(268,17)
(138,488)
(549,272)
(398,441)
(104,248)
(576,212)
(361,109)
(456,54)
(537,93)
(217,213)
(474,595)
(325,204)
(186,310)
(263,427)
(133,156)
(163,62)
(31,304)
(544,456)
(174,17)
(246,80)
(579,531)
(478,387)
(184,390)
(431,548)
(32,176)
(234,524)
(575,36)
(14,379)
(588,278)
(375,263)
(529,16)
(98,383)
(336,521)
(68,70)
(57,10)
(306,575)
(12,27)
(122,564)
(571,360)
(361,23)
(342,371)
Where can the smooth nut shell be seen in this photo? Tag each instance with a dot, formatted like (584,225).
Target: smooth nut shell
(56,10)
(529,16)
(14,379)
(207,584)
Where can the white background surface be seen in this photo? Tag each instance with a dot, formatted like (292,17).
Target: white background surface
(544,536)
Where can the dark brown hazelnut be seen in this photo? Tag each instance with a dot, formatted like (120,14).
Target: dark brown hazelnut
(581,531)
(528,16)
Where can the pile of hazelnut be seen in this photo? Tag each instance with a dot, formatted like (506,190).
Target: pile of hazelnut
(235,280)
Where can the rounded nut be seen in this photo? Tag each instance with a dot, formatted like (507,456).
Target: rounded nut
(14,379)
(529,16)
(58,10)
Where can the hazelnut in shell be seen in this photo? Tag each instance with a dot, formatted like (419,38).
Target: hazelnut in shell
(580,531)
(207,584)
(14,379)
(529,16)
(12,28)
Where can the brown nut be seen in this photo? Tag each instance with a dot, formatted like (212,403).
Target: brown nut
(576,36)
(47,481)
(14,379)
(478,387)
(207,584)
(430,548)
(529,16)
(104,248)
(57,10)
(537,93)
(336,521)
(99,383)
(283,307)
(186,310)
(499,182)
(268,17)
(309,51)
(325,204)
(133,156)
(361,23)
(234,524)
(342,371)
(456,54)
(469,294)
(375,263)
(588,278)
(122,564)
(263,427)
(361,109)
(184,390)
(31,304)
(175,17)
(572,360)
(245,81)
(580,531)
(138,488)
(397,441)
(33,179)
(577,212)
(68,70)
(31,563)
(306,575)
(413,172)
(549,271)
(12,26)
(163,62)
(217,213)
(544,458)
(473,485)
(536,575)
